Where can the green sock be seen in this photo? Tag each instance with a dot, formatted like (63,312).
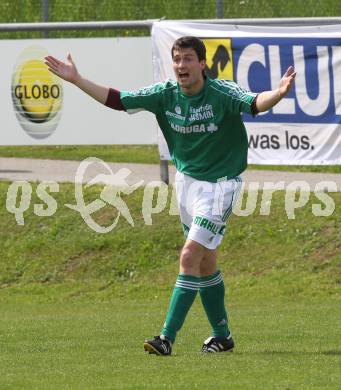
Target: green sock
(184,293)
(212,292)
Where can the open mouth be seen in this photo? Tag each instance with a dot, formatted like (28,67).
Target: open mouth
(183,76)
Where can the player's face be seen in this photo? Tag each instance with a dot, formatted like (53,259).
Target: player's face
(188,70)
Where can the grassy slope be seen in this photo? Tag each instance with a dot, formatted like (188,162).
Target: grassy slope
(303,254)
(145,154)
(76,305)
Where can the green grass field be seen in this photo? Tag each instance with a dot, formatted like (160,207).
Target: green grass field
(76,305)
(145,154)
(280,345)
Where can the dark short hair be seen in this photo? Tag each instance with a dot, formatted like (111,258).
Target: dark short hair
(191,43)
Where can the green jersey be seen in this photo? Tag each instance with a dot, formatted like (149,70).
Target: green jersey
(205,134)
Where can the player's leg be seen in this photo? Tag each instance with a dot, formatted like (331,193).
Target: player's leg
(208,265)
(187,283)
(198,255)
(212,289)
(185,289)
(212,294)
(191,258)
(203,231)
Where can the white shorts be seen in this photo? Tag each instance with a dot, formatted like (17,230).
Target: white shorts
(205,207)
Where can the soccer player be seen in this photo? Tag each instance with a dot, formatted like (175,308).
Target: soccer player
(201,121)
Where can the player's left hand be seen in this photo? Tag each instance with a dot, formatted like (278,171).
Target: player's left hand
(286,81)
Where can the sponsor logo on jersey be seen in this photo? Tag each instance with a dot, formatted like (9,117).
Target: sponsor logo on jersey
(202,128)
(201,113)
(178,110)
(175,115)
(195,113)
(37,94)
(211,128)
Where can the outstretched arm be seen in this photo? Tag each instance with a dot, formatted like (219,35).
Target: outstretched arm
(68,72)
(268,99)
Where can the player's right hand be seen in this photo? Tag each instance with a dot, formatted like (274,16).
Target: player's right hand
(65,70)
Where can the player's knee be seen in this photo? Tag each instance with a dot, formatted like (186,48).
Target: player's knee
(187,259)
(190,259)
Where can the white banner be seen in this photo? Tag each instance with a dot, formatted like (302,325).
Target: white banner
(38,108)
(305,127)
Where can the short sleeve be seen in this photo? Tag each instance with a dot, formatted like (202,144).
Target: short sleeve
(238,99)
(143,99)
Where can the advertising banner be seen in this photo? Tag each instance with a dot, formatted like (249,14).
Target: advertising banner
(38,108)
(304,128)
